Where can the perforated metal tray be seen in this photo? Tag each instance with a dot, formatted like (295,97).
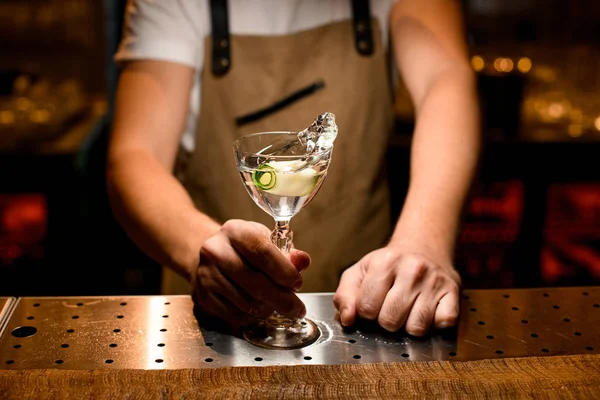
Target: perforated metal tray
(160,332)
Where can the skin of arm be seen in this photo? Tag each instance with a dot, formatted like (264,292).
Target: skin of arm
(412,281)
(155,210)
(238,275)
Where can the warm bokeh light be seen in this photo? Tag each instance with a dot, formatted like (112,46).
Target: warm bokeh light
(497,65)
(524,65)
(23,103)
(575,130)
(7,117)
(556,110)
(503,64)
(478,63)
(21,84)
(40,116)
(507,64)
(576,115)
(597,123)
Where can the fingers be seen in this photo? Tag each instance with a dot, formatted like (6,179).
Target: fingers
(249,240)
(235,295)
(418,293)
(402,290)
(421,315)
(430,285)
(218,253)
(300,259)
(217,306)
(345,296)
(373,290)
(447,310)
(396,306)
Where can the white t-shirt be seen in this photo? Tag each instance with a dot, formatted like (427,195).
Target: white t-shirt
(174,30)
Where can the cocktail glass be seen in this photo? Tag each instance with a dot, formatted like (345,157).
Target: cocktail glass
(281,179)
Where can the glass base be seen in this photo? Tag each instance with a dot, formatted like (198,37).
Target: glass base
(279,332)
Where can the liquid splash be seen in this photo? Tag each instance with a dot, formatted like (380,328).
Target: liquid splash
(320,135)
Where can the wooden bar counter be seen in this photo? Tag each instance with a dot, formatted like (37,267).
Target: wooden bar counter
(508,344)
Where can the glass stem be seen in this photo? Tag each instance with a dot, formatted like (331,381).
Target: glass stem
(282,236)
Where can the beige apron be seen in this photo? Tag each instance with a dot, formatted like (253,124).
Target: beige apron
(349,217)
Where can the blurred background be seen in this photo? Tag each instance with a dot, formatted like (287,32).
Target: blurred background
(533,219)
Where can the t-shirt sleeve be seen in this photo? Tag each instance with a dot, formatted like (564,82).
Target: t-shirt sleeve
(168,30)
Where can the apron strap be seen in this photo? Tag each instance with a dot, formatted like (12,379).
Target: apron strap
(221,54)
(363,37)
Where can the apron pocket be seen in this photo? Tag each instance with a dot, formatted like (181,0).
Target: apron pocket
(286,101)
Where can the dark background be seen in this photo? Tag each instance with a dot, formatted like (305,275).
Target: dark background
(533,219)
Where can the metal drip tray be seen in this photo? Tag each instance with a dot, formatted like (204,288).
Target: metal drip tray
(161,332)
(532,322)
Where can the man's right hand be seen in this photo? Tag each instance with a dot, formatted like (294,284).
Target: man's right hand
(242,276)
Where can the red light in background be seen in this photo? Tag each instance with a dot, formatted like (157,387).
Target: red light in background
(492,224)
(23,225)
(494,213)
(572,232)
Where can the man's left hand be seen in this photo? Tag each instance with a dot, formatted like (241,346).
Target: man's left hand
(399,287)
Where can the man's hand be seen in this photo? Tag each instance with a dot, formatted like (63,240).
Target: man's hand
(242,276)
(399,286)
(411,282)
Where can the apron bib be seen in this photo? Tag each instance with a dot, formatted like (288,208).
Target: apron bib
(281,83)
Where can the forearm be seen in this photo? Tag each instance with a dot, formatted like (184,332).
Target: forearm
(156,211)
(444,157)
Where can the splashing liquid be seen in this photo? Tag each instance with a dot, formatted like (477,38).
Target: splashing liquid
(320,135)
(310,142)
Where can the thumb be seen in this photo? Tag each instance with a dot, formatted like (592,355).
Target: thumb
(447,311)
(345,296)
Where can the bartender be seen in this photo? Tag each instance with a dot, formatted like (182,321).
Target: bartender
(197,74)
